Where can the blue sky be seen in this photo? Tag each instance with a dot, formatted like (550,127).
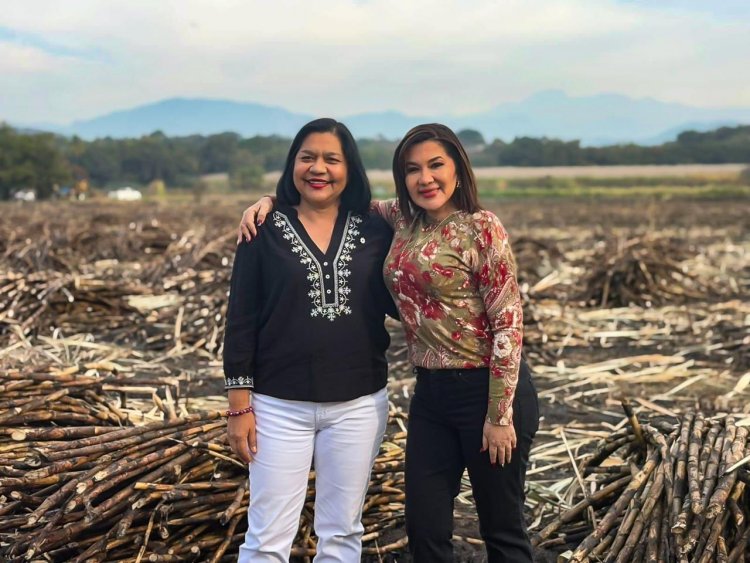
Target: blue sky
(82,58)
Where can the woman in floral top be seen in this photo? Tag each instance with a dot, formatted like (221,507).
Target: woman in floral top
(452,274)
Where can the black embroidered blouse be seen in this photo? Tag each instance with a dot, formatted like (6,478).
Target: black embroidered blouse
(306,325)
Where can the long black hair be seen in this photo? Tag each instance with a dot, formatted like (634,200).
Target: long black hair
(357,194)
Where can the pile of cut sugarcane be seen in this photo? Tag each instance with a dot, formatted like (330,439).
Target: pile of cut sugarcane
(662,493)
(79,482)
(183,311)
(644,272)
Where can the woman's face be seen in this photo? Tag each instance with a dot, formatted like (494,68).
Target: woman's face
(431,179)
(320,171)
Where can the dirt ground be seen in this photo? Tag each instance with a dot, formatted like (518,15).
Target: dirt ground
(682,338)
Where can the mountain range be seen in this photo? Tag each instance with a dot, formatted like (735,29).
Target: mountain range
(594,120)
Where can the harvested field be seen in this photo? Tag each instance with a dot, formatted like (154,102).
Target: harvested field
(111,326)
(613,171)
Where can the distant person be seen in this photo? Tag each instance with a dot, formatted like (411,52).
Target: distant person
(304,350)
(453,276)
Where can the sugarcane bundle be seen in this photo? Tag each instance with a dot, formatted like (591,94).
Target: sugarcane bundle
(184,310)
(644,272)
(52,299)
(80,482)
(661,492)
(66,238)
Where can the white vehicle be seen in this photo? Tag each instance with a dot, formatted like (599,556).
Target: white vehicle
(25,195)
(125,194)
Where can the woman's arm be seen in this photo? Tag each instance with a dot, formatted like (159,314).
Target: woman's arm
(253,217)
(388,209)
(239,349)
(242,317)
(498,287)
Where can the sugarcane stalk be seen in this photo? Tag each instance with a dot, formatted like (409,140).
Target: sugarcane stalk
(696,439)
(182,506)
(617,508)
(146,537)
(125,523)
(721,550)
(678,487)
(125,464)
(699,528)
(575,511)
(603,546)
(738,517)
(198,418)
(219,553)
(604,450)
(57,497)
(709,546)
(235,505)
(651,499)
(666,545)
(654,528)
(52,416)
(61,433)
(634,423)
(124,496)
(624,530)
(709,478)
(393,546)
(98,550)
(726,482)
(110,445)
(640,546)
(741,545)
(86,497)
(21,411)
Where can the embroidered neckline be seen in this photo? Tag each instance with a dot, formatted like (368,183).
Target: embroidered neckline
(337,304)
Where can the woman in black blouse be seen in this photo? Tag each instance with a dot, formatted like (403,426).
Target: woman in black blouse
(304,349)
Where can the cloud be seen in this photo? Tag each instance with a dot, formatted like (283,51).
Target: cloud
(343,56)
(22,60)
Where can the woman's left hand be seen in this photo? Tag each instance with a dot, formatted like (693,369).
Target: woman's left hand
(500,441)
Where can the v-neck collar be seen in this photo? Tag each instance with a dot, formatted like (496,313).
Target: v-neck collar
(327,273)
(336,236)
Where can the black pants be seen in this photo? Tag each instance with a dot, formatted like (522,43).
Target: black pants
(446,417)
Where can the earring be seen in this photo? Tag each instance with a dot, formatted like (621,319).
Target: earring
(458,184)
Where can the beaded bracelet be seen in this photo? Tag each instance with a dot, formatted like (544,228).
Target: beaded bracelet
(240,412)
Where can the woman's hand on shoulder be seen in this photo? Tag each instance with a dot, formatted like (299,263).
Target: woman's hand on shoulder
(500,441)
(253,217)
(241,436)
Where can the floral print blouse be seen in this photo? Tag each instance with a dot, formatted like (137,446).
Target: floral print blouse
(455,287)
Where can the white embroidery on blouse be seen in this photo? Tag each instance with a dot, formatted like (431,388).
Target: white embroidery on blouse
(327,302)
(240,381)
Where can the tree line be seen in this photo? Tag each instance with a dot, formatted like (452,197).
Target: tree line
(41,161)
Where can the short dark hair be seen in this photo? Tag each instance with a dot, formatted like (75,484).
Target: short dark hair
(465,198)
(357,194)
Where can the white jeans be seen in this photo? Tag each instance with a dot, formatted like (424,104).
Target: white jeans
(343,439)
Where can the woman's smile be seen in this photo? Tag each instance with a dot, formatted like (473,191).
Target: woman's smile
(318,183)
(429,193)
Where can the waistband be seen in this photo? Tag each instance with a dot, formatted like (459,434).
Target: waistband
(429,372)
